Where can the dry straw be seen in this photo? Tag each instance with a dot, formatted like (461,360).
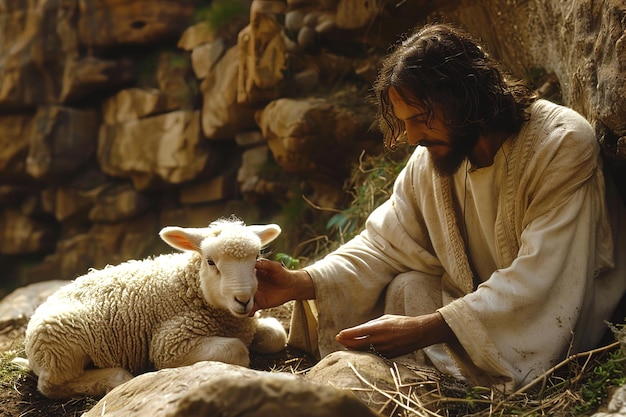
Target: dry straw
(560,391)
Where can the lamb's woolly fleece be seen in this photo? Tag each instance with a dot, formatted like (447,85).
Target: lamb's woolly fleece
(117,315)
(234,242)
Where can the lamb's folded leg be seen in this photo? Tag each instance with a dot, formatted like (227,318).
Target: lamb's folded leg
(93,382)
(208,348)
(270,336)
(61,371)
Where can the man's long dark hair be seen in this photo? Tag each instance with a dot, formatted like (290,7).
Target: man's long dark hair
(441,67)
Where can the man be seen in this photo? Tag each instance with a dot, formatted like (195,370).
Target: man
(494,257)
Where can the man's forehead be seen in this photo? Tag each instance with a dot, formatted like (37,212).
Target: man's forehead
(405,104)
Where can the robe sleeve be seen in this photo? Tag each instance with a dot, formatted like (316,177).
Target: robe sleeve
(350,282)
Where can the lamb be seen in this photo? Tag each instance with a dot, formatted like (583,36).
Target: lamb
(168,311)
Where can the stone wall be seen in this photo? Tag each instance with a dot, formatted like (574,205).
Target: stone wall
(120,117)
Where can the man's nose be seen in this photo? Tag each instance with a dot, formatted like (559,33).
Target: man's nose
(413,136)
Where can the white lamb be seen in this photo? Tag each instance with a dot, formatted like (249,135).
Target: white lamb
(168,311)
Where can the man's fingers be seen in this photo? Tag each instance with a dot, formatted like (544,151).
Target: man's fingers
(355,344)
(267,267)
(263,265)
(353,340)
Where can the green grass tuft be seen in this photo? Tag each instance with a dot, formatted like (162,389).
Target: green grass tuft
(11,374)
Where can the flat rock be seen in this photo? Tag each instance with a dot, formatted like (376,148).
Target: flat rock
(218,389)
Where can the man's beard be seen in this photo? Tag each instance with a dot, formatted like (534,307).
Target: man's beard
(460,149)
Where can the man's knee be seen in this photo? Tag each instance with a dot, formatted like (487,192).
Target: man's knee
(413,293)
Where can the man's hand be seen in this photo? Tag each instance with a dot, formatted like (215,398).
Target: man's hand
(392,335)
(277,285)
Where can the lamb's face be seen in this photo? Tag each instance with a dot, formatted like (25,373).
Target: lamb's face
(228,277)
(229,251)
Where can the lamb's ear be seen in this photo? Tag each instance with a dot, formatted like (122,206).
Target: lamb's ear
(266,232)
(181,238)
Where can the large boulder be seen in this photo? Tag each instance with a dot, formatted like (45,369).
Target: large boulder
(88,75)
(166,148)
(134,104)
(218,389)
(108,23)
(205,56)
(318,136)
(264,56)
(222,116)
(40,56)
(14,144)
(61,140)
(22,234)
(380,383)
(118,202)
(37,36)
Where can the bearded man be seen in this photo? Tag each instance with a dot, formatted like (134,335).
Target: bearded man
(494,257)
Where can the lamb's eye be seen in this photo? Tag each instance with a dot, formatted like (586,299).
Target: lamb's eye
(210,262)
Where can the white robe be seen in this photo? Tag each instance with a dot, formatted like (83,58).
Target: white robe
(539,242)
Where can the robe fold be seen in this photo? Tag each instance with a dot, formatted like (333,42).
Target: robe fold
(523,251)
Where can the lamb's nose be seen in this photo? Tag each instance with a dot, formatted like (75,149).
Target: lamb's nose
(244,303)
